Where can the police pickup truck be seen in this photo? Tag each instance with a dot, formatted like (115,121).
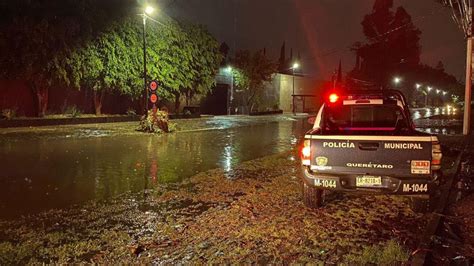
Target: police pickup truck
(366,141)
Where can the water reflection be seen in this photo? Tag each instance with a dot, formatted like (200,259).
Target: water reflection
(39,174)
(439,120)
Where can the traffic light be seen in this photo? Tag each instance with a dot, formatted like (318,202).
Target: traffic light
(153,88)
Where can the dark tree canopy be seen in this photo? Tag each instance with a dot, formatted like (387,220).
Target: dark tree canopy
(392,43)
(393,49)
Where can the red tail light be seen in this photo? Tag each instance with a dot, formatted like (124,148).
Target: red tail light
(436,156)
(333,98)
(306,152)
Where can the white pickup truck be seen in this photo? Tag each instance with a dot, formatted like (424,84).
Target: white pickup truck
(365,141)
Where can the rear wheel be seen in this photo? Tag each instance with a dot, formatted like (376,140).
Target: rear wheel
(313,197)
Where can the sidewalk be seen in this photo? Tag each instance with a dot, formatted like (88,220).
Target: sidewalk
(129,128)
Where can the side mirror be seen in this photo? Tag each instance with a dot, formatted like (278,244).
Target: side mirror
(312,120)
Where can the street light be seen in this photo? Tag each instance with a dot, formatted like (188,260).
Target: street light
(295,66)
(397,80)
(147,11)
(418,85)
(438,91)
(429,88)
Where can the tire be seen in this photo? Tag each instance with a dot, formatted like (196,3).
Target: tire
(421,205)
(312,197)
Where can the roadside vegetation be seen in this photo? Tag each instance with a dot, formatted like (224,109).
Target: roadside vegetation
(156,122)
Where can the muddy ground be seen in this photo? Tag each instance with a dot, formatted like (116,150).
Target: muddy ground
(454,241)
(254,215)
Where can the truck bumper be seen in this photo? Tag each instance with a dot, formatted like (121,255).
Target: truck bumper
(390,185)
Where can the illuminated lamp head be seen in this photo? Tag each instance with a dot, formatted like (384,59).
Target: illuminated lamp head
(333,98)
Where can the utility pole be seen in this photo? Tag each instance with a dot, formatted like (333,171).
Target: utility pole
(293,68)
(293,95)
(462,15)
(468,91)
(144,64)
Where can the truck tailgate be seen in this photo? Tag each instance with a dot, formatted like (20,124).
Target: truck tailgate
(397,156)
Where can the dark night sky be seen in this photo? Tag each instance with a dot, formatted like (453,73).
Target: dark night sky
(321,29)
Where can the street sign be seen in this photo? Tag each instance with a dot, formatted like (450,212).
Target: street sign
(153,85)
(153,98)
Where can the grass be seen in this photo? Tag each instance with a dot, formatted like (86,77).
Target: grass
(388,253)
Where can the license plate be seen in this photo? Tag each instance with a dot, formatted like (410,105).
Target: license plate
(420,167)
(369,181)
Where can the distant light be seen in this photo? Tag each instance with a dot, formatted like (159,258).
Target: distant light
(444,92)
(397,80)
(149,10)
(418,85)
(429,88)
(229,69)
(296,66)
(438,91)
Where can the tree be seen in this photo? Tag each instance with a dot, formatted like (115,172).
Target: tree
(109,62)
(85,45)
(252,70)
(282,63)
(183,58)
(440,67)
(224,50)
(205,60)
(42,37)
(392,44)
(37,48)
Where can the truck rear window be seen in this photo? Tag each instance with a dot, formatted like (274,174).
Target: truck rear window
(351,119)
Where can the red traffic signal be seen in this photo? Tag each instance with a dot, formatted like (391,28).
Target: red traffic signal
(153,98)
(153,85)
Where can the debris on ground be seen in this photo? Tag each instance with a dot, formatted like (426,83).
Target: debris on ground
(256,216)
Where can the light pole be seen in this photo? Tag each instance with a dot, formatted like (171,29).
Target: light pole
(148,11)
(428,89)
(295,66)
(418,86)
(230,95)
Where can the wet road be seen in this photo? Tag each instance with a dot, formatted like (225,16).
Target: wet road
(439,120)
(57,170)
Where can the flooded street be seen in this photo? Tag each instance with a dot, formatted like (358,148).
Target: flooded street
(440,120)
(221,190)
(59,169)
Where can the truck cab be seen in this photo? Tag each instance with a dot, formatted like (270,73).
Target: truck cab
(365,141)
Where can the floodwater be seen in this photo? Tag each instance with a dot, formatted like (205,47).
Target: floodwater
(57,171)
